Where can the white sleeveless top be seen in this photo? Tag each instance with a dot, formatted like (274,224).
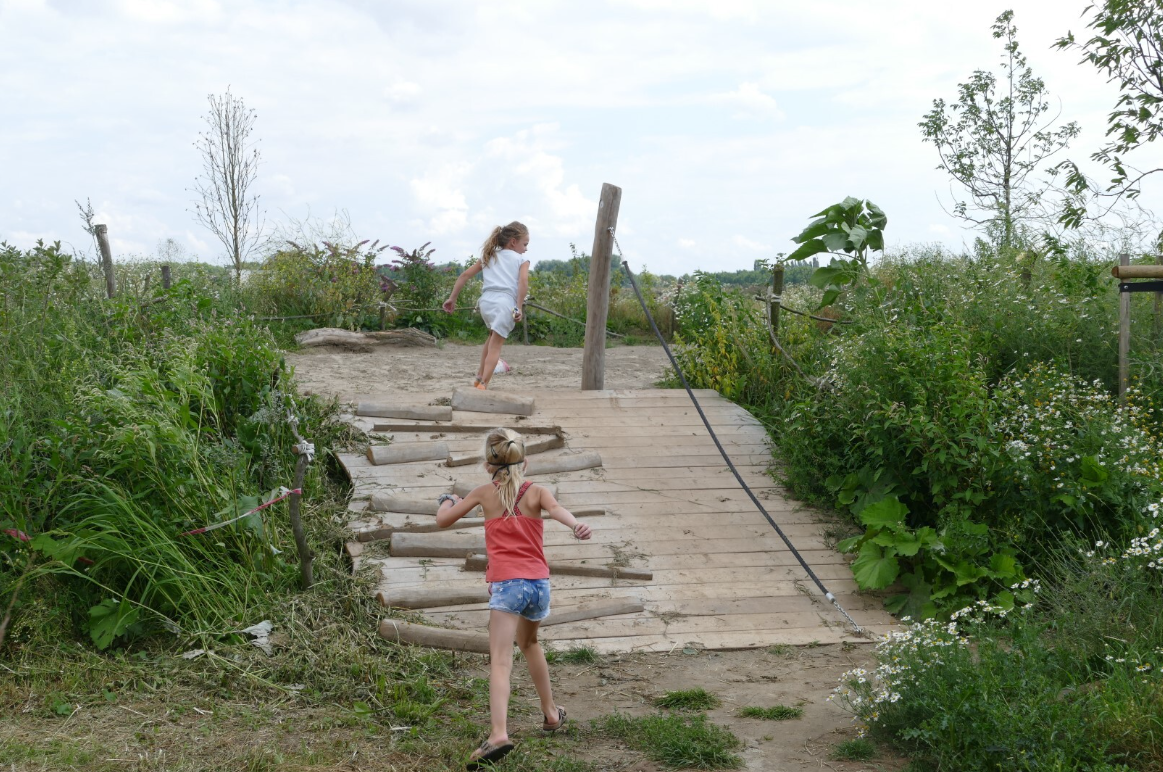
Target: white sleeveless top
(500,275)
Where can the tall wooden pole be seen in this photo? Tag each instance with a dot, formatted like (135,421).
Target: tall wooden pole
(598,307)
(166,279)
(1124,335)
(1158,308)
(776,298)
(106,259)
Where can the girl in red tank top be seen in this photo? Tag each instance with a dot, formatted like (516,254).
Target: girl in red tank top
(518,577)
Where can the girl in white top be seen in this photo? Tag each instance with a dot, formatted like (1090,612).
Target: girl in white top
(505,272)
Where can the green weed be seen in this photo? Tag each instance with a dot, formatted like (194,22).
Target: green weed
(689,699)
(774,713)
(854,750)
(677,741)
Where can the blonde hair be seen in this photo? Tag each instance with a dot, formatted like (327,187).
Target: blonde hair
(505,451)
(500,238)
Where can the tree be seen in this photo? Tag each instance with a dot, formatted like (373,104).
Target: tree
(1128,47)
(991,144)
(224,203)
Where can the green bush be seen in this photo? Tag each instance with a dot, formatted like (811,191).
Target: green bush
(125,423)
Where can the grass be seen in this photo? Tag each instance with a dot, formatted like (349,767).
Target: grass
(689,699)
(582,655)
(774,713)
(676,741)
(854,750)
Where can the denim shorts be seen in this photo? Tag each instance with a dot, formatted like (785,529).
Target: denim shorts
(527,597)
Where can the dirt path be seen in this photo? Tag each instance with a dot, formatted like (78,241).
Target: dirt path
(802,676)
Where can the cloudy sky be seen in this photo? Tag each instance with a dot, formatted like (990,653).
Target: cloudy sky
(727,123)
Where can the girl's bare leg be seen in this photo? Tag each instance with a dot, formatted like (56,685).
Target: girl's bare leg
(492,354)
(538,667)
(502,630)
(484,357)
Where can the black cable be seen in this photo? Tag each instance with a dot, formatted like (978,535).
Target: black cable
(674,363)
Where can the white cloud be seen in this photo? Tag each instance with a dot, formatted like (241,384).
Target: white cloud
(439,195)
(403,93)
(750,102)
(686,243)
(746,243)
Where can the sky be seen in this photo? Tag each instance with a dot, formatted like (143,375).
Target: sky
(726,123)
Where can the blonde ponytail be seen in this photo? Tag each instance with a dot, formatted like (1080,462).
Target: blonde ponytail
(505,451)
(499,238)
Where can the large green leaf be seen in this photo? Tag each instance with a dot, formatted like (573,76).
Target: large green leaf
(824,276)
(874,570)
(814,230)
(876,216)
(889,512)
(836,241)
(109,619)
(809,248)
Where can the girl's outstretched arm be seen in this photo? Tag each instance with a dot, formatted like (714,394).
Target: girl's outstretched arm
(562,515)
(522,289)
(452,510)
(450,305)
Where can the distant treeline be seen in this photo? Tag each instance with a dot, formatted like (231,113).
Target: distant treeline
(794,273)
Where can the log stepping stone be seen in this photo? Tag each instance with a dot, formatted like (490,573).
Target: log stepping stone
(423,413)
(478,561)
(565,462)
(404,452)
(418,598)
(478,401)
(434,637)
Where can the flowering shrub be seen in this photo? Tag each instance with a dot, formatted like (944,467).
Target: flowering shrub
(1075,459)
(1070,682)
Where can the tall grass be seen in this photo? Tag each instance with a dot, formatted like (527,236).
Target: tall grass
(124,424)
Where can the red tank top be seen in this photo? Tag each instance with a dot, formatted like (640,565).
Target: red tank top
(515,545)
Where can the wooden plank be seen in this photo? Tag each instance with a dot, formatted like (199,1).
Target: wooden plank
(565,462)
(462,489)
(595,610)
(462,427)
(425,598)
(539,445)
(417,413)
(433,637)
(399,453)
(436,545)
(479,563)
(480,401)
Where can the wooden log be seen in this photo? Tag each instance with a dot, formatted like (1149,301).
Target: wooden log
(462,428)
(354,552)
(407,337)
(401,453)
(421,413)
(776,299)
(363,341)
(167,279)
(598,307)
(434,637)
(436,545)
(386,502)
(569,462)
(478,562)
(102,234)
(477,401)
(539,445)
(1124,270)
(424,597)
(1124,331)
(593,611)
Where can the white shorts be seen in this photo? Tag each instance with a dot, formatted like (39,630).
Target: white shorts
(497,310)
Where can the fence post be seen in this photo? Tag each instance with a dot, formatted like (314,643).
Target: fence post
(1124,335)
(166,279)
(102,233)
(776,298)
(1158,308)
(525,324)
(306,556)
(598,307)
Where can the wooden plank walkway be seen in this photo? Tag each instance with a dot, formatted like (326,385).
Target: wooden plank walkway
(723,579)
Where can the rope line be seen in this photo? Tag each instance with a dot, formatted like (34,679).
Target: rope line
(754,500)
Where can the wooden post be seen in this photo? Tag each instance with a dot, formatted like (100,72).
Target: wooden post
(106,259)
(166,279)
(776,298)
(1124,335)
(525,324)
(598,307)
(306,557)
(1158,308)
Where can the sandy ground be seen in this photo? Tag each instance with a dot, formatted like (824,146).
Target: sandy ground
(326,370)
(801,676)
